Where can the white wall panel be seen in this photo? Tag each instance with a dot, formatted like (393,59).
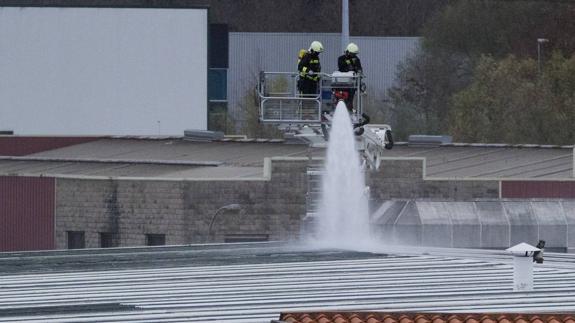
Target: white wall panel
(103,71)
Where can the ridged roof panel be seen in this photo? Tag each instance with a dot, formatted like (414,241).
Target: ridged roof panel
(255,283)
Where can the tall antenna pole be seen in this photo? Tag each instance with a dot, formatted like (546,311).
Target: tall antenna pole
(344,24)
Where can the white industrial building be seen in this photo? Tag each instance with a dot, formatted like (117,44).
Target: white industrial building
(103,71)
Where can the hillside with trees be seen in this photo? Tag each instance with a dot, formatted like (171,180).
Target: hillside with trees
(482,76)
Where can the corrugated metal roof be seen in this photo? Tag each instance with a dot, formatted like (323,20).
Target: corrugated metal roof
(47,168)
(256,282)
(229,153)
(491,162)
(27,213)
(251,53)
(178,158)
(20,146)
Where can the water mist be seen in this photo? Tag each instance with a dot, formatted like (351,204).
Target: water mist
(343,215)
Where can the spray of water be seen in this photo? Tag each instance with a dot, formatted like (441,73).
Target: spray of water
(343,217)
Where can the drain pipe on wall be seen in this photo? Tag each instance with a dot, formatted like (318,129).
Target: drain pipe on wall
(523,266)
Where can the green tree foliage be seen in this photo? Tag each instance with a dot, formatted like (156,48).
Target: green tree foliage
(501,27)
(558,82)
(510,102)
(367,17)
(425,83)
(453,56)
(484,27)
(252,127)
(375,106)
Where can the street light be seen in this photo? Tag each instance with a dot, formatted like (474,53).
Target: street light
(344,23)
(229,207)
(540,41)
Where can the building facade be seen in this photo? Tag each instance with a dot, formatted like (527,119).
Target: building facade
(116,70)
(407,208)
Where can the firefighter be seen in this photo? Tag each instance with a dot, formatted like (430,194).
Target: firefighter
(309,69)
(350,62)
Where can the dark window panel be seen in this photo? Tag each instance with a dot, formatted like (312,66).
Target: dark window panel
(218,84)
(155,239)
(109,240)
(218,45)
(76,240)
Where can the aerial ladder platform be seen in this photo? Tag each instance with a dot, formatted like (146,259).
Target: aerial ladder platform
(309,116)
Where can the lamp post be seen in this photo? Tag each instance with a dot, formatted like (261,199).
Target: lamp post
(229,207)
(344,23)
(540,42)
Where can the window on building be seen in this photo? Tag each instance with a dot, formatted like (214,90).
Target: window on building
(109,240)
(219,40)
(218,77)
(218,84)
(76,240)
(155,239)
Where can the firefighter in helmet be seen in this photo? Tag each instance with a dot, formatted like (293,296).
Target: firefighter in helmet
(309,68)
(350,62)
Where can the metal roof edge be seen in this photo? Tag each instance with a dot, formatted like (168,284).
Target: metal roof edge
(136,178)
(504,145)
(528,179)
(283,158)
(129,4)
(109,161)
(403,158)
(477,199)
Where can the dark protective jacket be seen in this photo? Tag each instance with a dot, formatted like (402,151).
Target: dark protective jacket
(349,63)
(309,62)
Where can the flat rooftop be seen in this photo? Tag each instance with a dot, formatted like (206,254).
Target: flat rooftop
(180,158)
(255,282)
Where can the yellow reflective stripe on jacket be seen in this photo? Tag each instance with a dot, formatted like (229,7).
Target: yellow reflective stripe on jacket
(313,77)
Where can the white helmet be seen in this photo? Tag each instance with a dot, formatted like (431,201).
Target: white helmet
(352,48)
(316,47)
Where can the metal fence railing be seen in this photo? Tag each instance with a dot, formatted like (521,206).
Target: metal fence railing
(281,102)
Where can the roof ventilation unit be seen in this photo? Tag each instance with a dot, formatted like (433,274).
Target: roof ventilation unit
(522,266)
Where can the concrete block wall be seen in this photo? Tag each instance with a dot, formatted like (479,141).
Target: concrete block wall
(130,209)
(183,209)
(404,178)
